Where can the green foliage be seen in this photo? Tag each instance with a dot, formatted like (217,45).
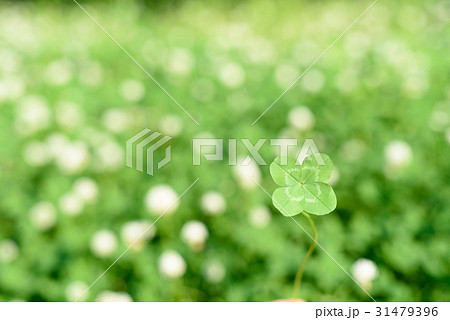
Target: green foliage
(303,186)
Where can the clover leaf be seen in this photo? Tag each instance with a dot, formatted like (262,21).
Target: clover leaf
(303,187)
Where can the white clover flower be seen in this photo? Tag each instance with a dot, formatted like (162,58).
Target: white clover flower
(160,199)
(73,157)
(231,75)
(94,137)
(116,120)
(356,45)
(415,85)
(439,119)
(103,243)
(132,90)
(180,61)
(214,271)
(213,203)
(11,88)
(194,233)
(396,54)
(398,154)
(71,204)
(171,125)
(24,35)
(234,35)
(285,75)
(43,215)
(69,115)
(353,149)
(313,81)
(260,216)
(91,73)
(9,251)
(9,60)
(260,50)
(246,175)
(59,72)
(86,189)
(33,115)
(334,177)
(305,51)
(111,296)
(110,156)
(171,264)
(347,80)
(36,154)
(75,289)
(364,271)
(56,142)
(133,232)
(301,118)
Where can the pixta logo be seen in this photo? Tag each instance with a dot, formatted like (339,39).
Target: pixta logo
(213,150)
(141,150)
(146,143)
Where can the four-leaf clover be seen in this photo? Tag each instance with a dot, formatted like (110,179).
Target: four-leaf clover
(303,187)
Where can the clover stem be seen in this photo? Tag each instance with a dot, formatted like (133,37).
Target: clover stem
(298,276)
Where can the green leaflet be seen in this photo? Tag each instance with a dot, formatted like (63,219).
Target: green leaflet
(285,173)
(289,199)
(316,172)
(319,198)
(304,186)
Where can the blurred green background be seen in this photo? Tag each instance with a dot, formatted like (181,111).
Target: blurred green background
(377,103)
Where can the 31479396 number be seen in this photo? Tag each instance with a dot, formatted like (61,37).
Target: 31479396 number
(407,311)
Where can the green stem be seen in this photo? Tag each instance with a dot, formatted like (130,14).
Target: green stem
(298,276)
